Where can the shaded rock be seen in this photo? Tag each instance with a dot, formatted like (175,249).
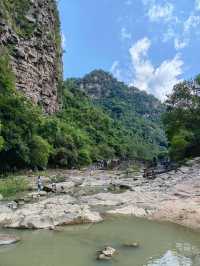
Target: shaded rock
(48,189)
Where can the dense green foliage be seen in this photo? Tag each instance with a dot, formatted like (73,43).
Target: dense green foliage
(19,120)
(182,120)
(25,22)
(15,12)
(81,133)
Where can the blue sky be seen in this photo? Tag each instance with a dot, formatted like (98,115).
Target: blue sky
(151,44)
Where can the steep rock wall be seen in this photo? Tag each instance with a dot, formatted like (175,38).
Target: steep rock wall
(30,33)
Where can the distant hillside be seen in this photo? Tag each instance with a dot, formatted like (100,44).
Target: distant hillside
(137,112)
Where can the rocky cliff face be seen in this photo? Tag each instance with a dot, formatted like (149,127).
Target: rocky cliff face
(30,33)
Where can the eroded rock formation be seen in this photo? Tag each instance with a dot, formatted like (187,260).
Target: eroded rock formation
(30,33)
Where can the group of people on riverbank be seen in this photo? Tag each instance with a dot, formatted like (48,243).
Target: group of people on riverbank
(53,188)
(40,186)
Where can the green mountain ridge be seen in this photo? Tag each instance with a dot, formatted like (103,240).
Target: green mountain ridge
(136,111)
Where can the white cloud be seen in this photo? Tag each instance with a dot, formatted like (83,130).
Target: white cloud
(115,70)
(182,36)
(169,35)
(197,4)
(156,80)
(192,22)
(158,12)
(125,34)
(63,40)
(189,30)
(180,44)
(180,31)
(140,48)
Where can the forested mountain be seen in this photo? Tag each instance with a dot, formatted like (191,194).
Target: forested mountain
(117,97)
(136,111)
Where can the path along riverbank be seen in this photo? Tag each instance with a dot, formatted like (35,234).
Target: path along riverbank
(87,197)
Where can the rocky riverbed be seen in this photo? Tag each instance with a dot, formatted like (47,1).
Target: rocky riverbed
(87,196)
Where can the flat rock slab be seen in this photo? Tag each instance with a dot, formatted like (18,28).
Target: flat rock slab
(8,240)
(49,213)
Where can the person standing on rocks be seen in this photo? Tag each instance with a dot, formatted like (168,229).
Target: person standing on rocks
(39,184)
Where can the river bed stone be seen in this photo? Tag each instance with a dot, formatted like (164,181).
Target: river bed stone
(172,196)
(49,213)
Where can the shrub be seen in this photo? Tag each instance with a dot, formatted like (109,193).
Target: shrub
(7,79)
(182,120)
(179,144)
(12,185)
(84,157)
(40,152)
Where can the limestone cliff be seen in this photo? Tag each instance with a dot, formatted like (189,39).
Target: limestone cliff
(30,33)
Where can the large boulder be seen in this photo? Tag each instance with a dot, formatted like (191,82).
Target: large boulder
(106,254)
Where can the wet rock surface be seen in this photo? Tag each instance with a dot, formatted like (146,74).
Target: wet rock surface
(172,196)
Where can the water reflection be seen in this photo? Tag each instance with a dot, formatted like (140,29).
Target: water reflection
(166,245)
(171,258)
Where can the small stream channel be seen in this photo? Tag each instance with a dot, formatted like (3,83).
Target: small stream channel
(161,244)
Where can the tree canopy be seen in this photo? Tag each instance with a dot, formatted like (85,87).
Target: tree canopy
(182,119)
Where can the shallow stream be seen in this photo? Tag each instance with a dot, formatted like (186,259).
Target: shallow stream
(161,244)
